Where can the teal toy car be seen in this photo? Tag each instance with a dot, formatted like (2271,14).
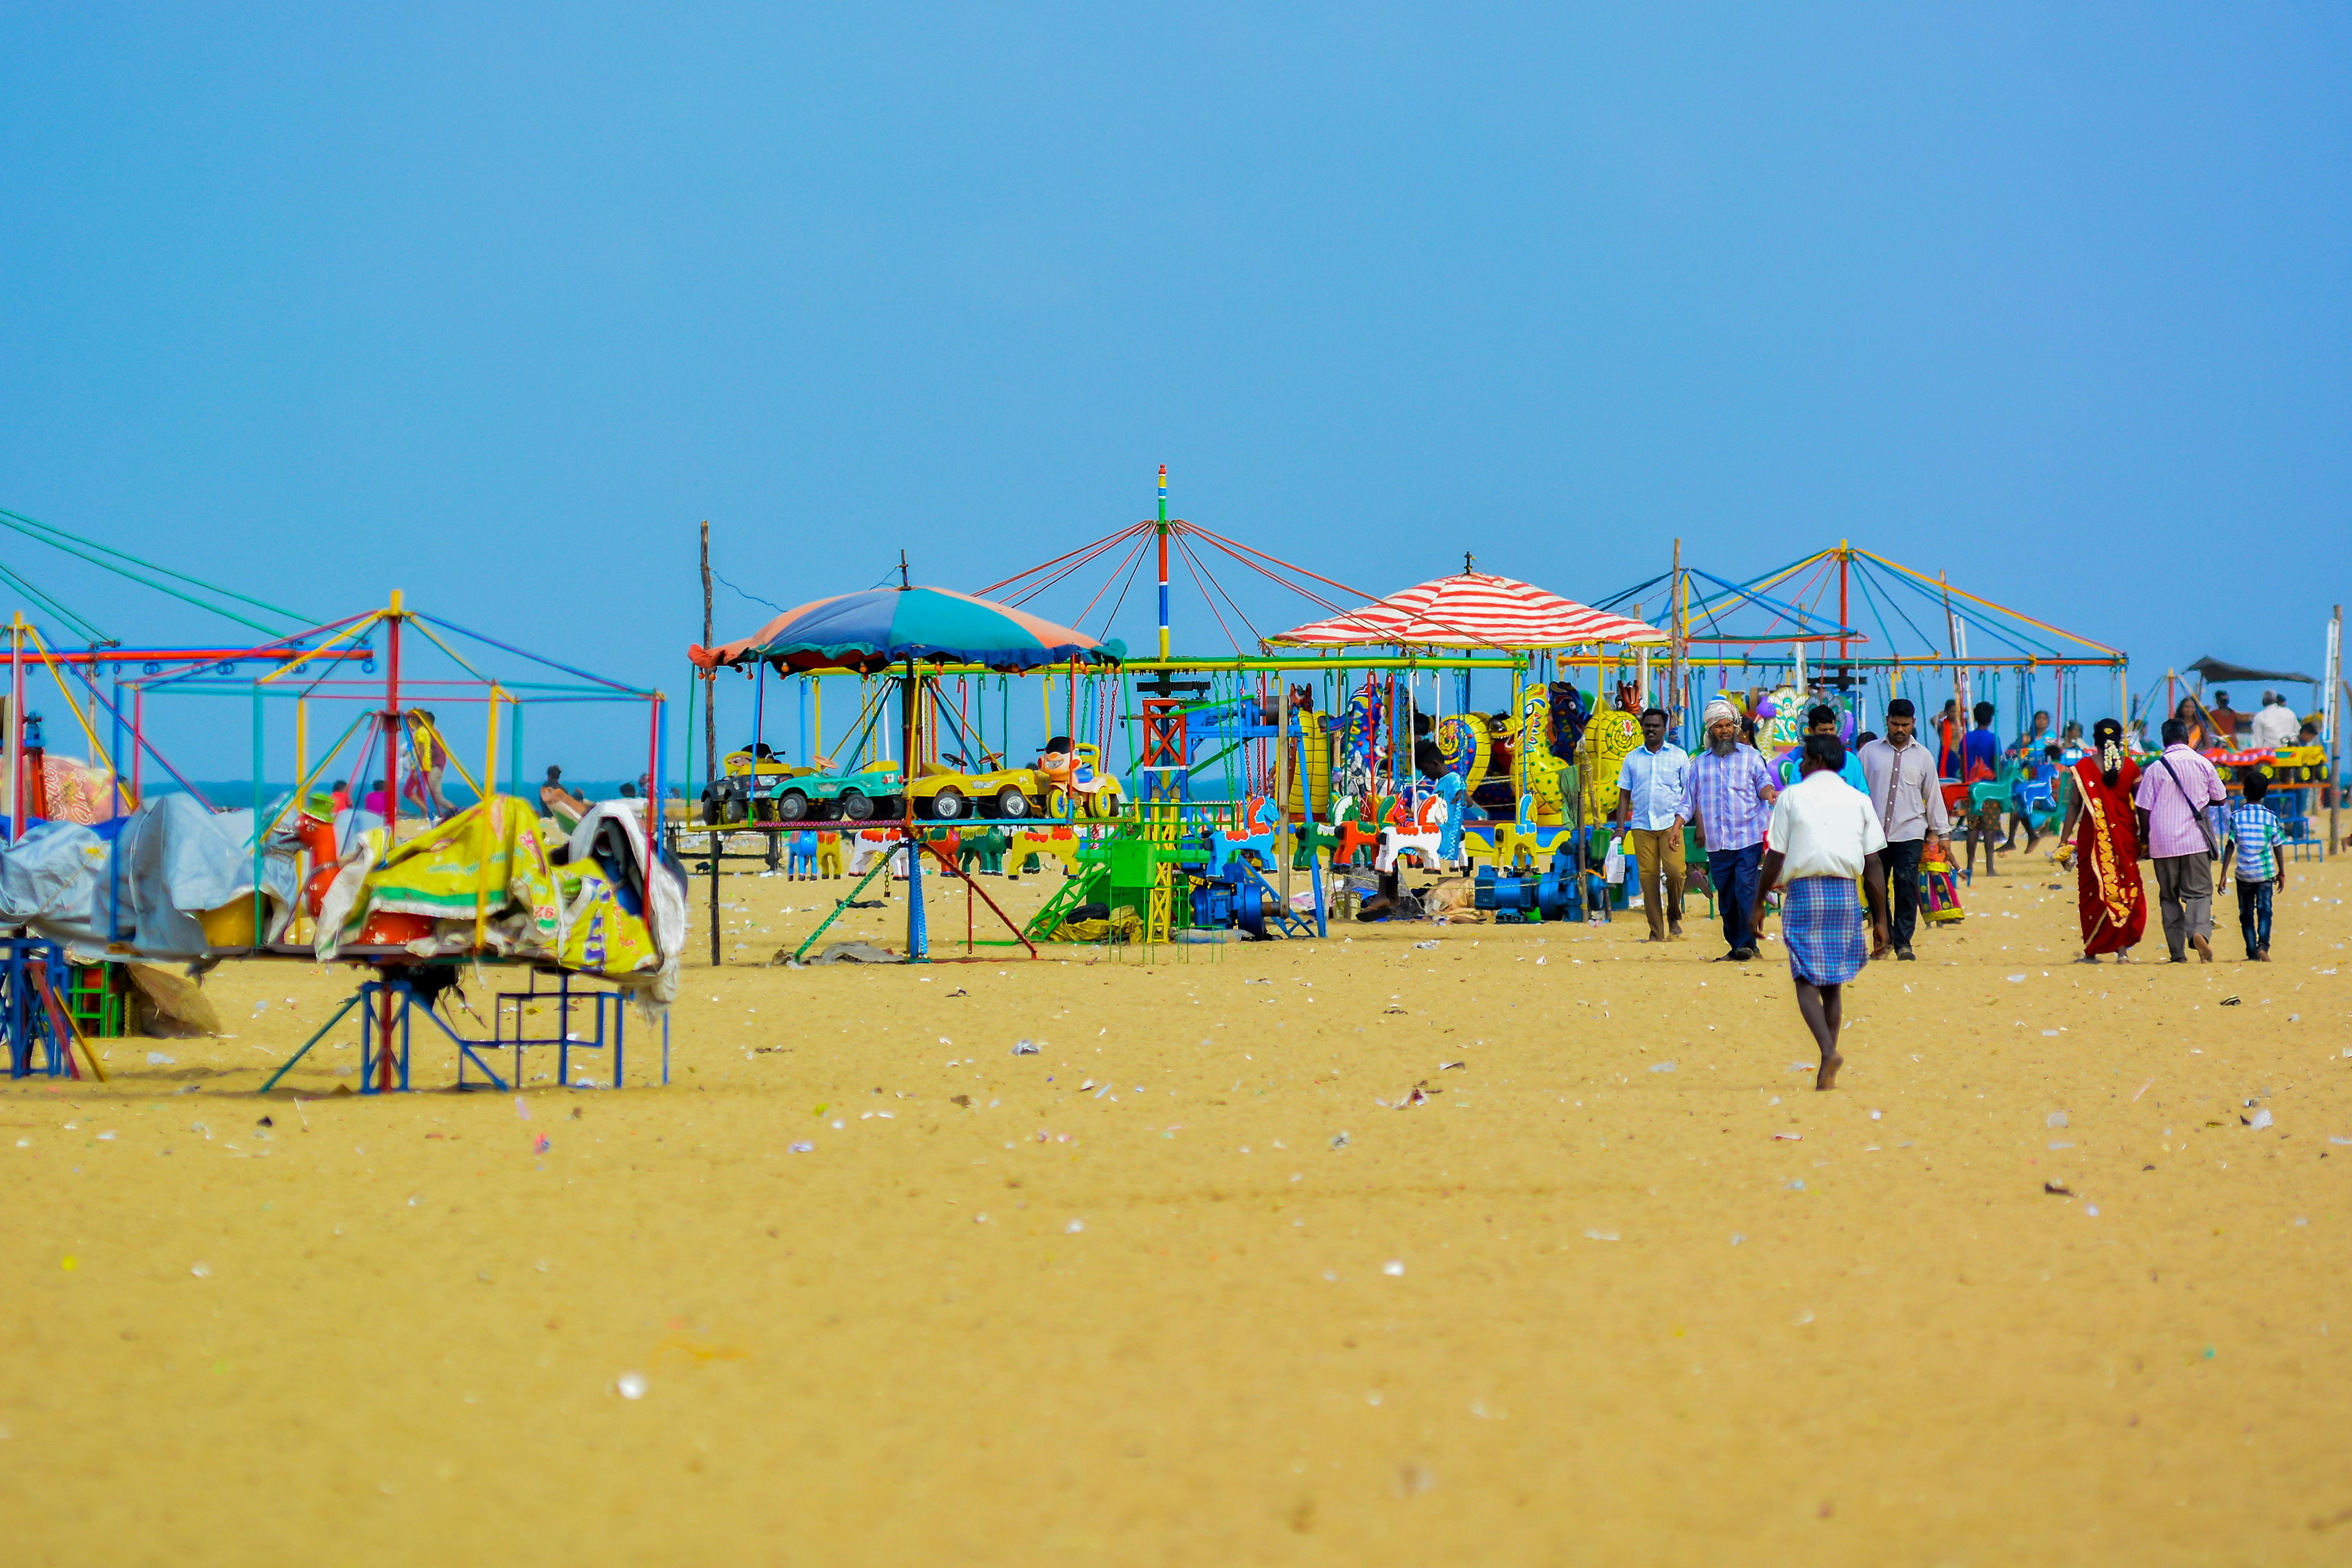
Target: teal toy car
(873,795)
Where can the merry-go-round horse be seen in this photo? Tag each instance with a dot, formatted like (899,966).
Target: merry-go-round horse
(1421,835)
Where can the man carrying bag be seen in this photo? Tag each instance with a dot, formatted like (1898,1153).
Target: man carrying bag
(2173,801)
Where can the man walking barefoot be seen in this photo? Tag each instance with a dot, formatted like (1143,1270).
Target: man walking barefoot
(1824,836)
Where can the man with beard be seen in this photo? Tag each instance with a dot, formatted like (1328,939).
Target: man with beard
(1729,798)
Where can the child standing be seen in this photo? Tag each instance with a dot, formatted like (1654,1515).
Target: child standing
(2256,833)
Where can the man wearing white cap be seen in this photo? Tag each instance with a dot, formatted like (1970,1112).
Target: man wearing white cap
(1730,797)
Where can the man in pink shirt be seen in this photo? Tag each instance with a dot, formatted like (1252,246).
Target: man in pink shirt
(2174,792)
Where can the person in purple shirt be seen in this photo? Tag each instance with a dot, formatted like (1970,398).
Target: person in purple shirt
(2175,790)
(1729,795)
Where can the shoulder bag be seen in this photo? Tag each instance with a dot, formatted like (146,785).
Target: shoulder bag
(2204,814)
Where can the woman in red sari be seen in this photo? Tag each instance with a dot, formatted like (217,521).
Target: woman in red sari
(2106,847)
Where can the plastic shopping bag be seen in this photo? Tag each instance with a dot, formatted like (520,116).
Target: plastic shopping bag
(1613,866)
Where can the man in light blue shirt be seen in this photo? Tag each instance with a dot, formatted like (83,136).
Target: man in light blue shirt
(1650,788)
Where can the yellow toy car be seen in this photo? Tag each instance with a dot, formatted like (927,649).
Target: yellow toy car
(946,794)
(2298,764)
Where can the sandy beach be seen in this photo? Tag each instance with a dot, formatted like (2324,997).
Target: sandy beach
(1200,1282)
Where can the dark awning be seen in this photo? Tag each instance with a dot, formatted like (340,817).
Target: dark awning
(2214,670)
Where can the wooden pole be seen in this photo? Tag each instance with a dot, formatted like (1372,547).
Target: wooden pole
(709,681)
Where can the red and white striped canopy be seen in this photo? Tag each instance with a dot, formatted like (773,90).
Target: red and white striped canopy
(1472,610)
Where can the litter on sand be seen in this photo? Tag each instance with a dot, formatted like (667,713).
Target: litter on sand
(856,952)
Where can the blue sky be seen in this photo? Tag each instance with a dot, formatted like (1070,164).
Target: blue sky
(496,306)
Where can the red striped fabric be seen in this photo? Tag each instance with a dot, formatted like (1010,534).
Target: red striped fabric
(1472,610)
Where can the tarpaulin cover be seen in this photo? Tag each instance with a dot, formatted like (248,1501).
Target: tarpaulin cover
(174,860)
(2213,669)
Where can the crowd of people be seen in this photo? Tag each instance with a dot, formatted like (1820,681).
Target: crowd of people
(1838,830)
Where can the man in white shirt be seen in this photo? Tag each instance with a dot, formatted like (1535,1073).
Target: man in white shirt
(1824,837)
(2275,725)
(1650,788)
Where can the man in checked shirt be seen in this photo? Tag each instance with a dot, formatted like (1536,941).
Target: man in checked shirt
(1730,797)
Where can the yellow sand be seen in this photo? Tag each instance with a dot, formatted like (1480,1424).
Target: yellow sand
(1576,1308)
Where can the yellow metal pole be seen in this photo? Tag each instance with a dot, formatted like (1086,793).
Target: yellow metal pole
(491,754)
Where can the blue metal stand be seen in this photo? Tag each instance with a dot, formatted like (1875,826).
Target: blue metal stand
(386,1008)
(374,995)
(29,1012)
(514,1005)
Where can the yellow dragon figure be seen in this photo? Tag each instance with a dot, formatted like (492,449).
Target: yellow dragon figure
(1612,734)
(1463,740)
(1535,771)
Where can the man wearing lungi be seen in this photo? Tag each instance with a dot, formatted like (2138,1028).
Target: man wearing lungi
(1824,836)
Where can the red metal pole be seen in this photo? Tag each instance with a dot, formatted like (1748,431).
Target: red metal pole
(17,791)
(384,1080)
